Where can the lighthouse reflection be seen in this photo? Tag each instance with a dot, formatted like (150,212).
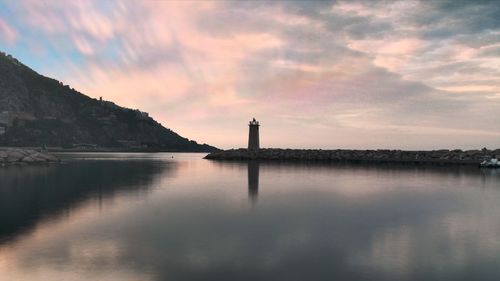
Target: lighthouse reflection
(253,181)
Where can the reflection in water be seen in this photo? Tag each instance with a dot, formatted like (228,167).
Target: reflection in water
(312,222)
(253,181)
(29,194)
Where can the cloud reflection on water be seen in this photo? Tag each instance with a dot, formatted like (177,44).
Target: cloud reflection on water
(401,223)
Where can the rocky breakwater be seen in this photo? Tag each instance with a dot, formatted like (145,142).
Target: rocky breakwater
(460,157)
(16,156)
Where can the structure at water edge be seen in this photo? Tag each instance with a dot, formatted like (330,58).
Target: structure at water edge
(253,135)
(484,157)
(440,157)
(20,157)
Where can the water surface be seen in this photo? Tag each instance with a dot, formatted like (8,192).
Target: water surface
(164,216)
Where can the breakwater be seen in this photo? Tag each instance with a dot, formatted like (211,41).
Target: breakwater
(18,156)
(458,157)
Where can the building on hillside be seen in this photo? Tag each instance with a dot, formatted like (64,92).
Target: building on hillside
(11,118)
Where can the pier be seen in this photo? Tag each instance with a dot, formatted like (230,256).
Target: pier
(458,157)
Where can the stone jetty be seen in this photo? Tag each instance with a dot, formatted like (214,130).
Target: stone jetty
(18,156)
(457,157)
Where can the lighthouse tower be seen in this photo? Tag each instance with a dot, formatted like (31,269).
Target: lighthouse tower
(253,135)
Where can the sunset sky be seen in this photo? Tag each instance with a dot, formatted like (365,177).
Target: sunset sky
(342,74)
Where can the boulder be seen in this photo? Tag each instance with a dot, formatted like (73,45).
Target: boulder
(48,157)
(28,159)
(17,156)
(14,156)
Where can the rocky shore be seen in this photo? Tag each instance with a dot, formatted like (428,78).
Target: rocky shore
(458,157)
(17,156)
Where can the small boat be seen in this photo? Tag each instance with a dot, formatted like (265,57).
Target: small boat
(492,163)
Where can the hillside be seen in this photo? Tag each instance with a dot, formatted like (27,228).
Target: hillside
(36,110)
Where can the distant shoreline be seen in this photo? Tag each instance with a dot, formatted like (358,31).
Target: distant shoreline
(118,150)
(122,151)
(429,157)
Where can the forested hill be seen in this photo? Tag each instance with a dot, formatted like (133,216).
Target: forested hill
(36,110)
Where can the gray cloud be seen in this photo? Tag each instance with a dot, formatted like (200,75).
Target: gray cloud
(388,97)
(381,63)
(444,19)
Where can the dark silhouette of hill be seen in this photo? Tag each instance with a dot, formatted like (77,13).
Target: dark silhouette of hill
(36,110)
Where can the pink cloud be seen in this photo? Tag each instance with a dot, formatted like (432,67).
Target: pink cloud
(8,34)
(308,85)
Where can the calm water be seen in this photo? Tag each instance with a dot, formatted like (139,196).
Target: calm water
(154,217)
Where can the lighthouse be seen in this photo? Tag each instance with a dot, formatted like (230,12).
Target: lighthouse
(253,135)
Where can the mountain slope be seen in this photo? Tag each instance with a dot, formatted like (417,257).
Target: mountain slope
(36,110)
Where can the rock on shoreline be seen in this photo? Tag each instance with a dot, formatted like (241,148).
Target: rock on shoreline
(17,156)
(460,157)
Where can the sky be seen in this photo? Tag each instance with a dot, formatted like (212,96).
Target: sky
(325,74)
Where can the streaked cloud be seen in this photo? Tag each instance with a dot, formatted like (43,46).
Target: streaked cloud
(399,74)
(7,33)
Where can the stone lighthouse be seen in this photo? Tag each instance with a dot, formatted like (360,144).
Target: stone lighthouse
(253,135)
